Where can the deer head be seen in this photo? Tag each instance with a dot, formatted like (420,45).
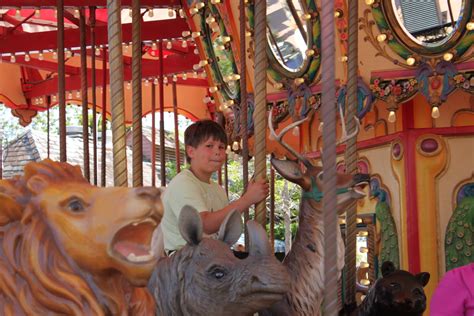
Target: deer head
(310,178)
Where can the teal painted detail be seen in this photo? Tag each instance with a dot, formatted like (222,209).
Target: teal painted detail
(317,195)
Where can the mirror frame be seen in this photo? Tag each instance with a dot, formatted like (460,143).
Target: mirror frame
(309,71)
(404,46)
(216,70)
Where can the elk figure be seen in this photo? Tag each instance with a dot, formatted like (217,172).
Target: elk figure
(305,261)
(205,278)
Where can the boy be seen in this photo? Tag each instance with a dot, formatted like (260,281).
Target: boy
(205,143)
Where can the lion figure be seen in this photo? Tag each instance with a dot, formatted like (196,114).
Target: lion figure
(71,248)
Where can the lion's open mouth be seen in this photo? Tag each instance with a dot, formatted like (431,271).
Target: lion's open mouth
(133,242)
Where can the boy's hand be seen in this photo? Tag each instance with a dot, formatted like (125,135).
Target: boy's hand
(257,190)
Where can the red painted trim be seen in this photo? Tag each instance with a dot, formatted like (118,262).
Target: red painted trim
(26,42)
(408,119)
(397,74)
(409,140)
(87,3)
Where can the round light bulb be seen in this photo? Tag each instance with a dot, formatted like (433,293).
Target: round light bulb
(448,56)
(151,13)
(12,58)
(155,81)
(175,78)
(41,56)
(278,85)
(363,249)
(364,265)
(309,52)
(37,13)
(77,15)
(169,45)
(184,44)
(235,145)
(369,2)
(296,131)
(306,17)
(97,51)
(184,76)
(365,282)
(381,37)
(129,85)
(411,61)
(27,57)
(55,55)
(435,112)
(344,59)
(213,89)
(170,12)
(392,117)
(154,46)
(165,80)
(470,26)
(299,81)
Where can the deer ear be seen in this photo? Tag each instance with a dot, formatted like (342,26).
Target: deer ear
(190,225)
(231,228)
(10,210)
(291,171)
(258,241)
(423,277)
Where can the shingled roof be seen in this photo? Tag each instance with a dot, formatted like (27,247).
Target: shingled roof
(32,146)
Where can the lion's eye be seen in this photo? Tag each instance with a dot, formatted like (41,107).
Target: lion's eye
(395,286)
(75,206)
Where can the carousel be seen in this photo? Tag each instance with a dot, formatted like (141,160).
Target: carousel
(368,106)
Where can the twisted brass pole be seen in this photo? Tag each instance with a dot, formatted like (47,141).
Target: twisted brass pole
(351,153)
(94,94)
(84,99)
(114,32)
(243,102)
(329,159)
(137,95)
(153,135)
(259,116)
(61,81)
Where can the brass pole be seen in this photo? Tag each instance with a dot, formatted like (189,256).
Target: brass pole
(61,81)
(114,31)
(176,130)
(104,116)
(137,94)
(94,93)
(260,102)
(162,121)
(85,106)
(153,135)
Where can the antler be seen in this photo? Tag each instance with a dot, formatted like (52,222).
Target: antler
(344,136)
(279,138)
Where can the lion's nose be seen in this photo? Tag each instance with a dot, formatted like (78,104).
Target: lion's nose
(151,193)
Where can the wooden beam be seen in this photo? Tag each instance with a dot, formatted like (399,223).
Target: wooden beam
(156,30)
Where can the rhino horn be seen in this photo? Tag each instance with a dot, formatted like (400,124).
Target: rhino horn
(190,225)
(231,228)
(258,241)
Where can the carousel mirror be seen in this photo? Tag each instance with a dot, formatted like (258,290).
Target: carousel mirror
(287,35)
(430,26)
(428,22)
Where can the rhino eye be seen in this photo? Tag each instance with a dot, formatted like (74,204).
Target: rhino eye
(218,272)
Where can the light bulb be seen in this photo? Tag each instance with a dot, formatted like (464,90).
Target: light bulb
(181,13)
(12,58)
(55,55)
(97,51)
(200,5)
(184,76)
(363,250)
(195,74)
(130,12)
(228,150)
(184,44)
(196,51)
(195,34)
(203,63)
(147,82)
(369,2)
(165,80)
(296,131)
(365,282)
(226,39)
(381,37)
(169,45)
(306,17)
(470,26)
(392,117)
(69,95)
(364,265)
(76,14)
(129,85)
(41,56)
(215,1)
(78,94)
(17,13)
(213,89)
(193,11)
(175,78)
(278,85)
(37,13)
(309,52)
(435,112)
(154,46)
(53,98)
(210,19)
(299,81)
(155,81)
(170,12)
(27,57)
(344,59)
(321,126)
(185,33)
(411,61)
(448,56)
(151,13)
(235,145)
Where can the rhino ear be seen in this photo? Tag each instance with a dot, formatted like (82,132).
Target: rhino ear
(190,225)
(387,268)
(423,277)
(10,210)
(231,228)
(258,241)
(291,171)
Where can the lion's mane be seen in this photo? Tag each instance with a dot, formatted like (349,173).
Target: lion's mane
(36,276)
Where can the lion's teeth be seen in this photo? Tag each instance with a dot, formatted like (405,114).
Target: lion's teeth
(134,258)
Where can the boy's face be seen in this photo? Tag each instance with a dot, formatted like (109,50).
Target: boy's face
(208,156)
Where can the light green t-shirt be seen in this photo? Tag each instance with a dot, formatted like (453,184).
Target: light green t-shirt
(186,189)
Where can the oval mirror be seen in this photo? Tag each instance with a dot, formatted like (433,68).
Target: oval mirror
(428,26)
(287,36)
(219,49)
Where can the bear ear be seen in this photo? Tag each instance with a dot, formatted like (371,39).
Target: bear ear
(387,268)
(423,277)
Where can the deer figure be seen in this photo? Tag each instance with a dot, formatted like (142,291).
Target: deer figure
(205,278)
(305,261)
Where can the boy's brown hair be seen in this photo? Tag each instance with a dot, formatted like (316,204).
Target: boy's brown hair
(201,131)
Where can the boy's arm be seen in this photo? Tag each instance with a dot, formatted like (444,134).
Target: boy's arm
(449,297)
(256,192)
